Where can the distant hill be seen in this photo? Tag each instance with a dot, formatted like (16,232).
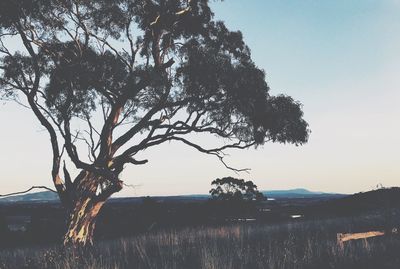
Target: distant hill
(299,193)
(380,199)
(47,196)
(44,196)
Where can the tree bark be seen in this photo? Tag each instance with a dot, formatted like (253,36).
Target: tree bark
(82,223)
(85,209)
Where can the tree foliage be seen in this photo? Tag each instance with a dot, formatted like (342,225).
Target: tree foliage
(234,189)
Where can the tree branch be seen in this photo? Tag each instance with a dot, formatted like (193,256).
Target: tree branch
(28,190)
(218,152)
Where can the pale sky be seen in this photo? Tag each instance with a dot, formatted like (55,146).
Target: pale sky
(340,58)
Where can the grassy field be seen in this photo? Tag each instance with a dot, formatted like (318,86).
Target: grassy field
(307,244)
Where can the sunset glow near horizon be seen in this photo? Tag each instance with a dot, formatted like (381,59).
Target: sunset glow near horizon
(340,59)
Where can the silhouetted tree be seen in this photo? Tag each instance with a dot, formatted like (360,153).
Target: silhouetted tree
(234,189)
(118,77)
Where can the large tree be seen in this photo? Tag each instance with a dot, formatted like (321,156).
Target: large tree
(137,73)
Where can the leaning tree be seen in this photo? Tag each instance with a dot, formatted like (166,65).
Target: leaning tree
(110,79)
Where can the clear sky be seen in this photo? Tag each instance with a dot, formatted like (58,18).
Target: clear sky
(340,58)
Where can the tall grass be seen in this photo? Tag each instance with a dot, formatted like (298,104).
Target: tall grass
(310,244)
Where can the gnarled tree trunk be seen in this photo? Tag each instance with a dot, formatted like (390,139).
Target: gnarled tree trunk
(82,222)
(85,208)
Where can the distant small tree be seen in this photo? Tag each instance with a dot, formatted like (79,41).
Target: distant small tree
(234,189)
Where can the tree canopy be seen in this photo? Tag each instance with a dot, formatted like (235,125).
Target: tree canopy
(234,189)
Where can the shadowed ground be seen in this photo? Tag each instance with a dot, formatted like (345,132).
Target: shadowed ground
(306,244)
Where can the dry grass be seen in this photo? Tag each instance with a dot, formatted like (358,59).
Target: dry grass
(297,245)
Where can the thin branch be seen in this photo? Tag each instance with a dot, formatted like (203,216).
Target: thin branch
(28,190)
(218,152)
(117,53)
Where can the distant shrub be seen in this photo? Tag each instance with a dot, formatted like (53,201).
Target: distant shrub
(234,189)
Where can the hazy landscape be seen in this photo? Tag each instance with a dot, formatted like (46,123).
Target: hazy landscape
(199,134)
(184,232)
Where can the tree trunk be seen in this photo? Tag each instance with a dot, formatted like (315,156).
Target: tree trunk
(85,208)
(82,223)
